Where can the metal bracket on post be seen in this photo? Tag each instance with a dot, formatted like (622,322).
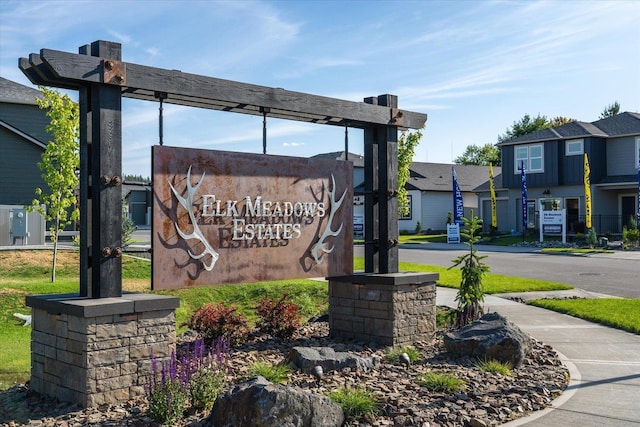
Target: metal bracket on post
(114,72)
(397,117)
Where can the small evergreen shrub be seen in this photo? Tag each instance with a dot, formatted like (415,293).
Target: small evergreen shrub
(591,238)
(356,403)
(631,233)
(213,321)
(278,318)
(470,294)
(441,382)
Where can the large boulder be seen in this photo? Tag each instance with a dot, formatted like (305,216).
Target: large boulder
(259,403)
(490,337)
(307,358)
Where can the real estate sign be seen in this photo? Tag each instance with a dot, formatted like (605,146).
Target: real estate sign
(223,217)
(553,223)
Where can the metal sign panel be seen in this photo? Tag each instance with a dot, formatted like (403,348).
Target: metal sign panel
(225,217)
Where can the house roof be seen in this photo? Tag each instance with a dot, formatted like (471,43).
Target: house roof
(356,159)
(438,177)
(622,124)
(15,93)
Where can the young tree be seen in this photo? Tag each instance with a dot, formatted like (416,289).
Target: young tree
(60,161)
(407,144)
(470,294)
(481,156)
(610,110)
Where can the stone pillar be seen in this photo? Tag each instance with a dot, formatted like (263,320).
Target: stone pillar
(390,309)
(98,351)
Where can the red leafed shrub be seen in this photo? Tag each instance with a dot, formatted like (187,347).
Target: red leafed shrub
(278,318)
(215,321)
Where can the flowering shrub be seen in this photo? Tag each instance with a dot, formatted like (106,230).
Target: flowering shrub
(205,372)
(195,380)
(215,321)
(278,318)
(166,391)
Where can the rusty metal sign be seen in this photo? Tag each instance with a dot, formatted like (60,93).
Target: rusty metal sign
(225,217)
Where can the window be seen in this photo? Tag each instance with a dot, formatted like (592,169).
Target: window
(533,157)
(574,147)
(637,152)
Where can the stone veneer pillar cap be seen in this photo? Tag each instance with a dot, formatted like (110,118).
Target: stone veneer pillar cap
(392,279)
(79,306)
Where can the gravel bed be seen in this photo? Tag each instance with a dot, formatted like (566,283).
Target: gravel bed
(488,399)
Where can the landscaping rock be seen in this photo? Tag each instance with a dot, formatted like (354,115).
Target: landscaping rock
(259,403)
(306,358)
(490,337)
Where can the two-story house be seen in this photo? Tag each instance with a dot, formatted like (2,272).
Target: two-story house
(23,138)
(554,164)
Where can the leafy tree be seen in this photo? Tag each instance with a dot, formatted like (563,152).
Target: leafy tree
(407,144)
(559,121)
(60,161)
(481,156)
(524,126)
(470,294)
(610,110)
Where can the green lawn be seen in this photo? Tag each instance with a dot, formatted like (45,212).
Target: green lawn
(492,283)
(422,238)
(28,272)
(615,312)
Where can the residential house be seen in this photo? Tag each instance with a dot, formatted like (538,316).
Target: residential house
(23,138)
(430,191)
(554,164)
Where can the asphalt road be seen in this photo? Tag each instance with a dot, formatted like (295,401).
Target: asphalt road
(615,274)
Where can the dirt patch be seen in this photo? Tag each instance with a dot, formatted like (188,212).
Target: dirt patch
(12,262)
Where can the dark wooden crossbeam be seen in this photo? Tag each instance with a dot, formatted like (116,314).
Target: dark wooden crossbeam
(65,69)
(102,79)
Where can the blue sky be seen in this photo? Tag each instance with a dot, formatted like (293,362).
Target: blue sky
(474,67)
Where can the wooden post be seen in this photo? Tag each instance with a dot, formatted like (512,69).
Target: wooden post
(100,179)
(381,201)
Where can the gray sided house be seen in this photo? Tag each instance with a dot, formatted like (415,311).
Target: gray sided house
(23,138)
(430,189)
(554,162)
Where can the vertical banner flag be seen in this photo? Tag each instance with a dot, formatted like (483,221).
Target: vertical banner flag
(458,207)
(587,192)
(492,188)
(523,188)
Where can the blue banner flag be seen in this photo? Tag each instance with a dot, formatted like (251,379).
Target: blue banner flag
(523,185)
(638,213)
(458,207)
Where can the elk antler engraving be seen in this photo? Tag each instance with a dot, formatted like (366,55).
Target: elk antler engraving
(318,250)
(196,233)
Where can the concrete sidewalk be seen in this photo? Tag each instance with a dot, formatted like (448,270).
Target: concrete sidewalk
(604,364)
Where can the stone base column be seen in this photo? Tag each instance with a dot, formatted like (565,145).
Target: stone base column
(97,351)
(390,309)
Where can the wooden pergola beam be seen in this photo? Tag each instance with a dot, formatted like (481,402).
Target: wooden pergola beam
(142,82)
